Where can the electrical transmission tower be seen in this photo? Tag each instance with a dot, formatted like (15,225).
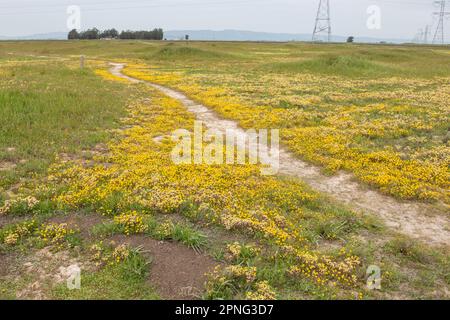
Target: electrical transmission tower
(323,21)
(418,37)
(439,34)
(426,33)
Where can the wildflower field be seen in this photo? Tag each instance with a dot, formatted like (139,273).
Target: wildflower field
(87,179)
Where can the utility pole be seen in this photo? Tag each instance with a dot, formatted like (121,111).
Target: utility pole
(323,21)
(439,34)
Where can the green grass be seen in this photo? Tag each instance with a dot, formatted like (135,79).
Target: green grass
(344,65)
(49,109)
(180,232)
(171,52)
(366,63)
(189,237)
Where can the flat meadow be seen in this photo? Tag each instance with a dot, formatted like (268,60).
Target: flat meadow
(86,177)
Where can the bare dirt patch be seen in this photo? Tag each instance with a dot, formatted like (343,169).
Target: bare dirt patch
(417,220)
(6,261)
(177,272)
(6,220)
(35,274)
(47,269)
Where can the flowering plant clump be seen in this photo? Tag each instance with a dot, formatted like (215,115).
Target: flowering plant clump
(11,239)
(19,206)
(262,291)
(120,253)
(132,222)
(98,253)
(240,253)
(240,273)
(325,270)
(54,233)
(19,231)
(225,282)
(109,255)
(165,230)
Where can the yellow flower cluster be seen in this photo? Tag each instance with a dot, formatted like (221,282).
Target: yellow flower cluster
(11,239)
(321,122)
(240,273)
(140,174)
(165,230)
(236,252)
(323,269)
(262,291)
(132,222)
(105,74)
(98,255)
(103,254)
(19,205)
(120,253)
(18,232)
(223,283)
(54,233)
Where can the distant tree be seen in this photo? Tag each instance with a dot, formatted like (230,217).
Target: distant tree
(90,34)
(155,34)
(350,39)
(94,33)
(112,33)
(73,34)
(159,34)
(186,37)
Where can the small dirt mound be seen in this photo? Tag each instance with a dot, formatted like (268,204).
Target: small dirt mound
(177,272)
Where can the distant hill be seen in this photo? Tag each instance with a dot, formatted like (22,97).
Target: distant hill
(240,35)
(41,36)
(223,35)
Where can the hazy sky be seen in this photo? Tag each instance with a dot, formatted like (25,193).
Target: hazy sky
(399,18)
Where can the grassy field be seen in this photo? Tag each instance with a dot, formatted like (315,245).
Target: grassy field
(86,176)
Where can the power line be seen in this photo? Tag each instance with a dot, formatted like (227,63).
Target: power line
(143,6)
(130,3)
(323,21)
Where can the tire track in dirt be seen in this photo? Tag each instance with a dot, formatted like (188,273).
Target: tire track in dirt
(417,220)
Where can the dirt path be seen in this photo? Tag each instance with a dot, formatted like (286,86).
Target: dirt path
(417,220)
